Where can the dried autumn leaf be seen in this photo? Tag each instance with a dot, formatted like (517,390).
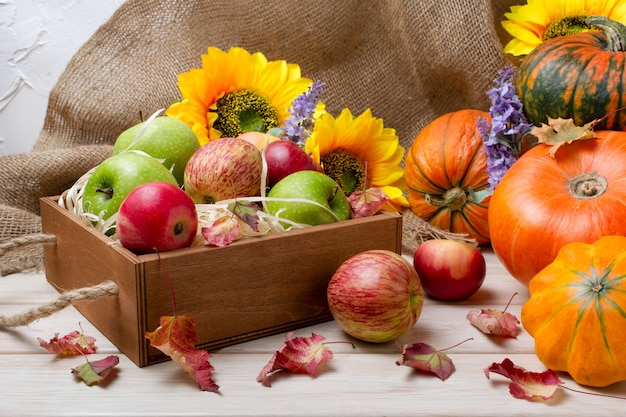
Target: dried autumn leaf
(247,212)
(176,337)
(300,354)
(367,203)
(221,232)
(73,343)
(93,373)
(424,357)
(561,131)
(495,322)
(525,384)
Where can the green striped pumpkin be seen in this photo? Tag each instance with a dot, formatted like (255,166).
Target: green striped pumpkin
(580,77)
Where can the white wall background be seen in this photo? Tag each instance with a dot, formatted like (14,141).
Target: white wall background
(37,39)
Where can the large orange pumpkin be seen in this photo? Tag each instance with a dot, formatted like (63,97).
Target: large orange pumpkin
(445,169)
(543,203)
(577,312)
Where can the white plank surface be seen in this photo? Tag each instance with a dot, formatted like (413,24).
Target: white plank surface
(358,381)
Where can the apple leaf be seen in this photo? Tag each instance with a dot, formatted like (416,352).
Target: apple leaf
(93,373)
(222,232)
(367,203)
(424,357)
(525,384)
(176,337)
(247,212)
(561,131)
(495,322)
(300,355)
(73,343)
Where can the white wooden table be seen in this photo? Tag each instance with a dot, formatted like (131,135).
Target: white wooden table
(357,382)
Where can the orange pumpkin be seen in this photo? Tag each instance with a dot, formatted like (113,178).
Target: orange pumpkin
(577,312)
(445,169)
(543,203)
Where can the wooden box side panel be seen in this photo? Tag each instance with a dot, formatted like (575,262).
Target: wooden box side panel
(262,286)
(83,257)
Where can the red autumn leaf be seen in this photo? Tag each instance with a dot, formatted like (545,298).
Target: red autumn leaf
(300,354)
(525,384)
(424,357)
(222,232)
(74,343)
(367,203)
(176,337)
(93,373)
(495,322)
(246,211)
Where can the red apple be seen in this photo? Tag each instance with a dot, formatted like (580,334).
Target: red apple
(449,270)
(285,157)
(375,296)
(156,217)
(222,169)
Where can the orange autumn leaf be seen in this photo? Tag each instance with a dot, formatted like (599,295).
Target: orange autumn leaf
(300,354)
(561,131)
(176,337)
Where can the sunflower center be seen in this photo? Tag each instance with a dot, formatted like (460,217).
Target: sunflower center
(567,26)
(244,111)
(346,169)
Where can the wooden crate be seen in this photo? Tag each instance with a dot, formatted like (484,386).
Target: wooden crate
(249,289)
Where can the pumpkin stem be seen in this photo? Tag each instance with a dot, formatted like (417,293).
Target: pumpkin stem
(454,199)
(587,186)
(615,32)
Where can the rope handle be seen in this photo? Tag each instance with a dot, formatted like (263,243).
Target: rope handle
(106,288)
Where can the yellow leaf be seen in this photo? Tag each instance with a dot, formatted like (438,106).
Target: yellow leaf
(561,131)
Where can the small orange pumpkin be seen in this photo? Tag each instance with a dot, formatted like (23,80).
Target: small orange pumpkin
(445,168)
(577,311)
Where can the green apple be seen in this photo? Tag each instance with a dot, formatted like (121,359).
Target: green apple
(163,137)
(314,186)
(116,177)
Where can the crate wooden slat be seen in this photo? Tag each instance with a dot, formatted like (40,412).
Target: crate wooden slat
(249,289)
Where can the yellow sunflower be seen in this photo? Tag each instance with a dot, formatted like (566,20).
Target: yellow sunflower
(236,92)
(539,20)
(359,152)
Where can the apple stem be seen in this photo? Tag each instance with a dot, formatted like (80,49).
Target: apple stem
(108,191)
(167,279)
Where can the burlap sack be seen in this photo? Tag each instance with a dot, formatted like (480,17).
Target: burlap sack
(408,60)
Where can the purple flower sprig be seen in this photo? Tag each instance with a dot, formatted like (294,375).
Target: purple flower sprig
(298,126)
(503,137)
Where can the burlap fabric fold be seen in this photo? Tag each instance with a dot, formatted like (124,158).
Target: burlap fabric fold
(407,60)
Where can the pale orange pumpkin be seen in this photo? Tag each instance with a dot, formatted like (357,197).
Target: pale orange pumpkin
(445,170)
(577,312)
